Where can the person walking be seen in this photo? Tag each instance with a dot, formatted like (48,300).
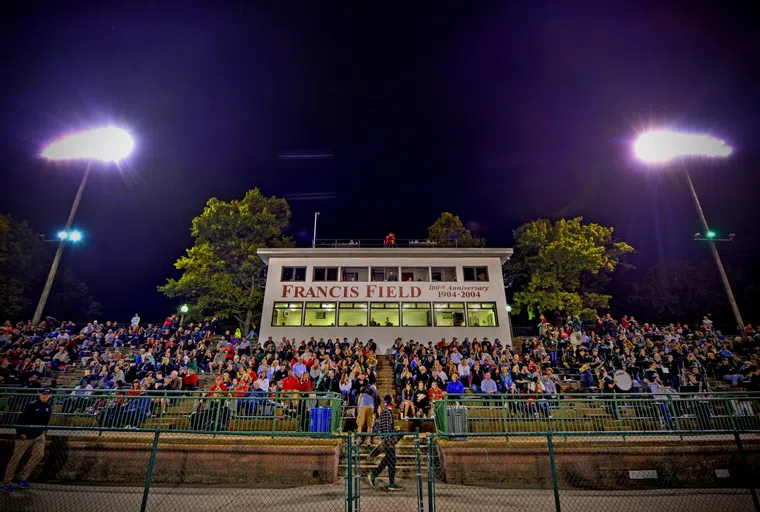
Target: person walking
(387,446)
(30,438)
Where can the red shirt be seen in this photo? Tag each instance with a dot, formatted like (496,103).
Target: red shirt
(190,380)
(290,384)
(435,394)
(304,386)
(240,391)
(218,387)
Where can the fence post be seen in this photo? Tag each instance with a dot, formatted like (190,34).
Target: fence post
(149,476)
(349,474)
(553,469)
(747,478)
(431,473)
(419,471)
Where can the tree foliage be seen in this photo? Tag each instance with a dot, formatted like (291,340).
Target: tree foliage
(24,261)
(449,231)
(564,266)
(221,273)
(681,291)
(20,265)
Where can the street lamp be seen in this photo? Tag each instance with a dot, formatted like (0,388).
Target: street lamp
(105,144)
(661,147)
(184,309)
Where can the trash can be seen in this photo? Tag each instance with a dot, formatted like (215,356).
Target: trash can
(319,419)
(457,417)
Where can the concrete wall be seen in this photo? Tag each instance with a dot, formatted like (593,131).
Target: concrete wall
(214,462)
(596,465)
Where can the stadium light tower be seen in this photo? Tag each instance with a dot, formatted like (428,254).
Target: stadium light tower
(660,147)
(107,144)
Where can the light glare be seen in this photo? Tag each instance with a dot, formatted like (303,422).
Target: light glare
(63,235)
(661,146)
(108,144)
(75,236)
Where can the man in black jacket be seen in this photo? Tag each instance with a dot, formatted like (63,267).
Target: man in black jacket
(387,446)
(29,438)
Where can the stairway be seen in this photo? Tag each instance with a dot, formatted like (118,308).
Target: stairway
(406,463)
(386,379)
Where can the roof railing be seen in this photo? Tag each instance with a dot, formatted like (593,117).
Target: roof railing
(383,242)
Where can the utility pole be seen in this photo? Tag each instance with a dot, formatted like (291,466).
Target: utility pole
(314,238)
(716,256)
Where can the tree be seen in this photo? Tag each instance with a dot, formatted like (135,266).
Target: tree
(70,299)
(449,231)
(24,262)
(221,274)
(681,291)
(20,265)
(564,266)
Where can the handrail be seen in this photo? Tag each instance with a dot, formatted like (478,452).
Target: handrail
(381,242)
(497,414)
(178,411)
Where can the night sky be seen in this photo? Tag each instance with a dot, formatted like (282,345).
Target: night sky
(500,112)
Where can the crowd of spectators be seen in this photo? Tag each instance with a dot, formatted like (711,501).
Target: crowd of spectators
(674,357)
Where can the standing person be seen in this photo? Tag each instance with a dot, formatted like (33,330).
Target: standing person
(30,438)
(387,446)
(135,321)
(365,416)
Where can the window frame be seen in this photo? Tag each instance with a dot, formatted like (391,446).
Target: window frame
(429,309)
(295,274)
(321,306)
(351,305)
(475,274)
(326,279)
(447,306)
(414,270)
(480,307)
(397,309)
(442,270)
(288,308)
(342,274)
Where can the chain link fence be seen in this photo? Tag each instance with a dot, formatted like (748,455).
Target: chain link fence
(595,472)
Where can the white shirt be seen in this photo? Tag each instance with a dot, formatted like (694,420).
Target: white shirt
(464,370)
(263,384)
(135,321)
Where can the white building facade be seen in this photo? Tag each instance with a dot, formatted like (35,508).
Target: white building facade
(422,294)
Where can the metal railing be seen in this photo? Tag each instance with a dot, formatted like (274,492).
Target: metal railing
(381,242)
(507,414)
(184,411)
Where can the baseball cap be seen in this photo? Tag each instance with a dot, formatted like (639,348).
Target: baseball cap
(388,399)
(46,391)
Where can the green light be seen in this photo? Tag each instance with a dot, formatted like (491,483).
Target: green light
(184,309)
(710,234)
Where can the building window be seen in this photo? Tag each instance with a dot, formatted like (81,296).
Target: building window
(385,273)
(325,273)
(444,274)
(352,314)
(415,314)
(415,274)
(449,314)
(293,274)
(354,274)
(482,314)
(287,314)
(475,273)
(384,314)
(319,314)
